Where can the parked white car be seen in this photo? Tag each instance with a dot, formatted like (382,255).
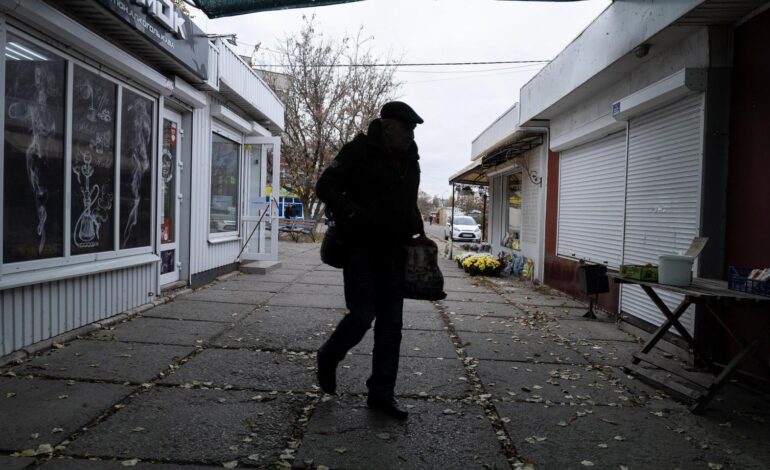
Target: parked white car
(464,229)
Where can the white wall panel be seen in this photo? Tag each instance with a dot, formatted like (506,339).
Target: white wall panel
(499,130)
(665,153)
(204,255)
(602,45)
(37,312)
(530,204)
(242,79)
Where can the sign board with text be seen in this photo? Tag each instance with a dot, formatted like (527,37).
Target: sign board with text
(163,23)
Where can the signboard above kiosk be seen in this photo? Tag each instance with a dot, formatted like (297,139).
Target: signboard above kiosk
(163,23)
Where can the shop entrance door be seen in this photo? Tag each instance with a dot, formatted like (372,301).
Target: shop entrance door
(171,197)
(260,216)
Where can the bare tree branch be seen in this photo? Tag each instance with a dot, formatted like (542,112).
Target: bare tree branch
(326,106)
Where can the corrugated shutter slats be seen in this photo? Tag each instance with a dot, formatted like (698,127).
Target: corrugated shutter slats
(591,195)
(662,195)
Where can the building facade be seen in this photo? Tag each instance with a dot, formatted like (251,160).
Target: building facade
(653,139)
(510,162)
(136,156)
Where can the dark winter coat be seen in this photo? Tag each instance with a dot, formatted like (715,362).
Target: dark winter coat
(372,198)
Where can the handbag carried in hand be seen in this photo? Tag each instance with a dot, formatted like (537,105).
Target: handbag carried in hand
(422,277)
(332,248)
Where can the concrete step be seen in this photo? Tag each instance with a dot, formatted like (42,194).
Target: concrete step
(259,267)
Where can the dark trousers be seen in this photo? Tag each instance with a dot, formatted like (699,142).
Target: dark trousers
(373,291)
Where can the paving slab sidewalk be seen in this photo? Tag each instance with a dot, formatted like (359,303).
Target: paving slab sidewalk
(499,375)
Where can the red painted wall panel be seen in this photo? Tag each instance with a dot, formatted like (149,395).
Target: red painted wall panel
(748,197)
(748,190)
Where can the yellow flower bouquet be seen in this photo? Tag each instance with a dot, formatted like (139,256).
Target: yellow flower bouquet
(485,265)
(462,257)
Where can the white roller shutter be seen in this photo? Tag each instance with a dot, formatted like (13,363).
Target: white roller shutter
(591,199)
(663,195)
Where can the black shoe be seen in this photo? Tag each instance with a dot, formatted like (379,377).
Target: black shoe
(327,373)
(387,405)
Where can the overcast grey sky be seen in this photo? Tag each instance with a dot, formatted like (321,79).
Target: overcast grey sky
(456,102)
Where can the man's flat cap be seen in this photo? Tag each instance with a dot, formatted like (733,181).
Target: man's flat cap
(400,111)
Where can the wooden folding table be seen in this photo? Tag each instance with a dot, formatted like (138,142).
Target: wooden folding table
(713,295)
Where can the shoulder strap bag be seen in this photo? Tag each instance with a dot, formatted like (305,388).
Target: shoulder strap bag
(422,277)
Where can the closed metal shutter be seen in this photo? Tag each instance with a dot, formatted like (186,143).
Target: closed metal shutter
(663,196)
(591,198)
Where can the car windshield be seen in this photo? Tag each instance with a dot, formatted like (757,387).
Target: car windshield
(464,221)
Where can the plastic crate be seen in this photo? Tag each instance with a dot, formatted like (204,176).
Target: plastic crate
(738,279)
(639,272)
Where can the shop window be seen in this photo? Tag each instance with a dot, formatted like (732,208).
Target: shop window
(33,168)
(512,236)
(36,161)
(135,170)
(94,103)
(225,154)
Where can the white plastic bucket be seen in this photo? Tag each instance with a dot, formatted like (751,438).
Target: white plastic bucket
(675,270)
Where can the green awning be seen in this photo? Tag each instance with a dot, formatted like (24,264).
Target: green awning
(220,8)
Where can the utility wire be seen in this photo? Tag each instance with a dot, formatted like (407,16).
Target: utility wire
(496,69)
(424,64)
(429,64)
(467,77)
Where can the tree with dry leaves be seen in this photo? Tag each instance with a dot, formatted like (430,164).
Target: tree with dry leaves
(332,93)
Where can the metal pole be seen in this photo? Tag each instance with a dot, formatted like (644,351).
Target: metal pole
(452,226)
(484,218)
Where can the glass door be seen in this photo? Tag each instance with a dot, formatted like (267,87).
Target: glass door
(171,196)
(260,216)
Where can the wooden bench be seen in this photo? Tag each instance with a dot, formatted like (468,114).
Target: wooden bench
(296,227)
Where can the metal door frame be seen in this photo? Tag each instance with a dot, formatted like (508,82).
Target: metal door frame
(271,219)
(173,276)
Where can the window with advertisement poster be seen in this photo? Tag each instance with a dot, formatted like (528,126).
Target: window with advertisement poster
(168,167)
(77,167)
